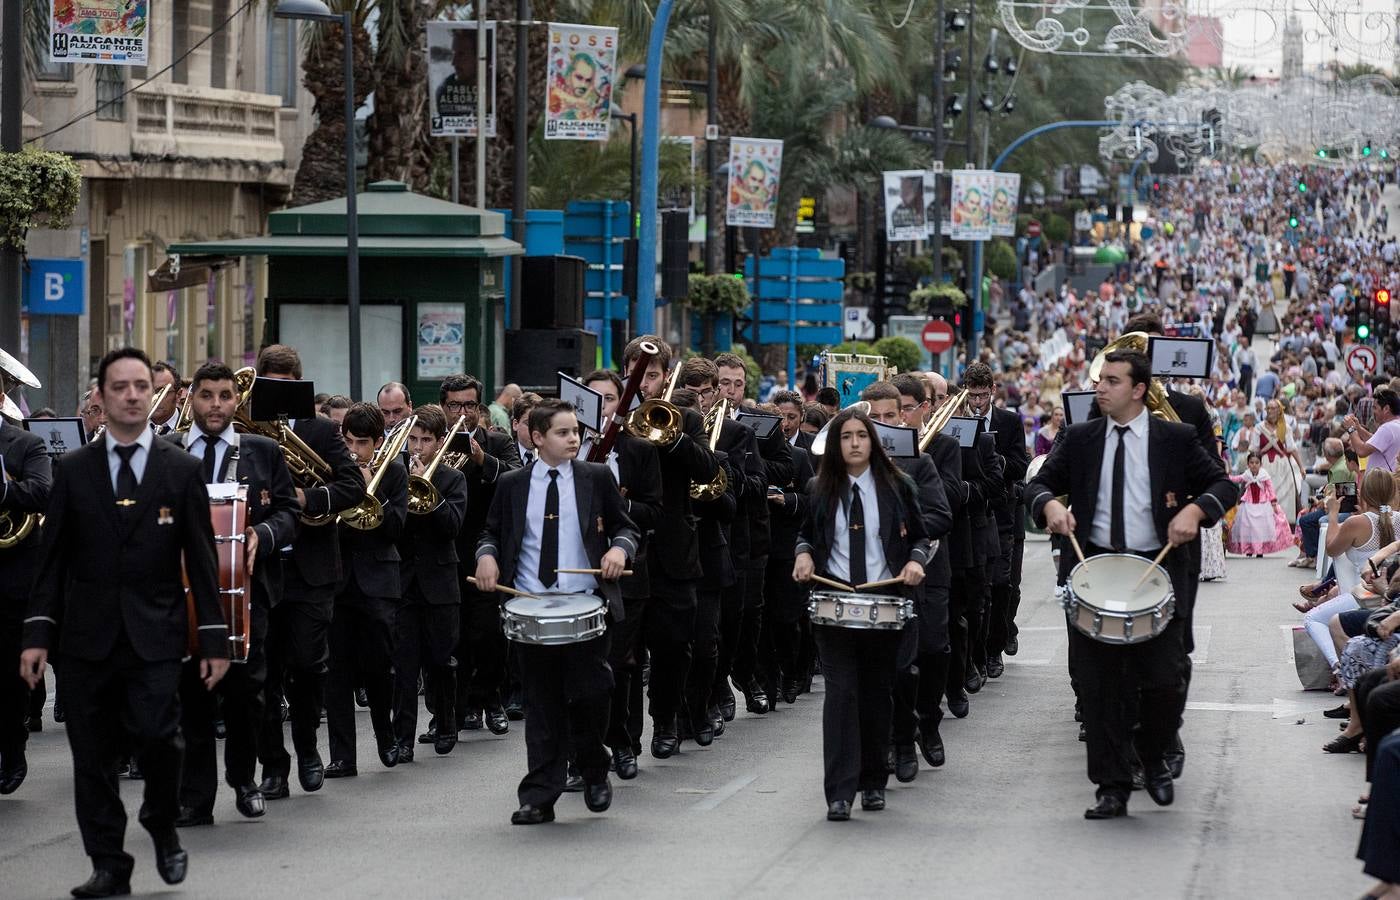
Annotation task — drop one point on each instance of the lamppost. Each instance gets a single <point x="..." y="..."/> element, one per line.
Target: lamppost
<point x="318" y="11"/>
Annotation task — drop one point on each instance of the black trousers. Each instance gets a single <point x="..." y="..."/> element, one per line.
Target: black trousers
<point x="965" y="603"/>
<point x="14" y="695"/>
<point x="241" y="691"/>
<point x="858" y="710"/>
<point x="567" y="698"/>
<point x="731" y="622"/>
<point x="922" y="666"/>
<point x="298" y="650"/>
<point x="784" y="604"/>
<point x="1378" y="705"/>
<point x="1005" y="592"/>
<point x="481" y="654"/>
<point x="704" y="659"/>
<point x="362" y="653"/>
<point x="745" y="667"/>
<point x="1381" y="833"/>
<point x="113" y="704"/>
<point x="427" y="635"/>
<point x="660" y="628"/>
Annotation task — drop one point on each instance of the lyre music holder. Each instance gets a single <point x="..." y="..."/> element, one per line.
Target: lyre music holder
<point x="275" y="400"/>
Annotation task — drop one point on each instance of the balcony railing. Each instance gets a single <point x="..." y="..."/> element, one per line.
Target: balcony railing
<point x="181" y="121"/>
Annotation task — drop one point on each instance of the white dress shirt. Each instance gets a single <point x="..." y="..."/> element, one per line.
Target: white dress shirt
<point x="572" y="554"/>
<point x="1139" y="529"/>
<point x="138" y="459"/>
<point x="194" y="442"/>
<point x="839" y="563"/>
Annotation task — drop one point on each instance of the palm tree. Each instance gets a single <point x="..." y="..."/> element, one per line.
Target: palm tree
<point x="321" y="175"/>
<point x="399" y="145"/>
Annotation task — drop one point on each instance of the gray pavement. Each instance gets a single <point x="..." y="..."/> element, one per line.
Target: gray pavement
<point x="1260" y="811"/>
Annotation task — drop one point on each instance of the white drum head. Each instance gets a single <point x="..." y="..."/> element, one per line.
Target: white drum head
<point x="1106" y="582"/>
<point x="551" y="605"/>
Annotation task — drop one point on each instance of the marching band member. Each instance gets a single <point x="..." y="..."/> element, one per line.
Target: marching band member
<point x="166" y="415"/>
<point x="25" y="479"/>
<point x="863" y="525"/>
<point x="298" y="638"/>
<point x="107" y="596"/>
<point x="362" y="629"/>
<point x="789" y="405"/>
<point x="561" y="512"/>
<point x="247" y="459"/>
<point x="429" y="617"/>
<point x="784" y="601"/>
<point x="520" y="425"/>
<point x="1134" y="487"/>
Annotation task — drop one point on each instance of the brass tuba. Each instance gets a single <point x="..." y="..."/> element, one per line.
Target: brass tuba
<point x="658" y="421"/>
<point x="308" y="469"/>
<point x="714" y="424"/>
<point x="368" y="514"/>
<point x="15" y="528"/>
<point x="423" y="498"/>
<point x="1156" y="398"/>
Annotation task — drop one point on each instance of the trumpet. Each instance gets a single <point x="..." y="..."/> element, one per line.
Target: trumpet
<point x="368" y="514"/>
<point x="159" y="397"/>
<point x="714" y="423"/>
<point x="940" y="418"/>
<point x="423" y="498"/>
<point x="658" y="421"/>
<point x="308" y="469"/>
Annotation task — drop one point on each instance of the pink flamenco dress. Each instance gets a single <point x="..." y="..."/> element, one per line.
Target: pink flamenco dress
<point x="1260" y="525"/>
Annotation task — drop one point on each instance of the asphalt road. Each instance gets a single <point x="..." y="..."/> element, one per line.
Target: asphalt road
<point x="1260" y="811"/>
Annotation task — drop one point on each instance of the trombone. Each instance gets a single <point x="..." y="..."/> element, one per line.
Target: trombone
<point x="657" y="420"/>
<point x="940" y="419"/>
<point x="306" y="466"/>
<point x="714" y="423"/>
<point x="423" y="498"/>
<point x="368" y="514"/>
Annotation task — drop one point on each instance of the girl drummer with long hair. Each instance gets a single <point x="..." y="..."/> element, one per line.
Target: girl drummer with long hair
<point x="863" y="527"/>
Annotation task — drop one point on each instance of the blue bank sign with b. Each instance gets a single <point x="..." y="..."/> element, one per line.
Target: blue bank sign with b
<point x="54" y="287"/>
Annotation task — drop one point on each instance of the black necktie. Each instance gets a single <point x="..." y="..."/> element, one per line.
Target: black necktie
<point x="1116" y="536"/>
<point x="549" y="544"/>
<point x="856" y="524"/>
<point x="530" y="457"/>
<point x="126" y="475"/>
<point x="211" y="444"/>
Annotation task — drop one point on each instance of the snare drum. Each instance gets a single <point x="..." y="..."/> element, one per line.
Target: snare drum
<point x="1102" y="604"/>
<point x="552" y="619"/>
<point x="229" y="511"/>
<point x="848" y="610"/>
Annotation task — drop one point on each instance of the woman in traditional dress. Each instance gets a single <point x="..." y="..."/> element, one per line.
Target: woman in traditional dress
<point x="1259" y="526"/>
<point x="1273" y="440"/>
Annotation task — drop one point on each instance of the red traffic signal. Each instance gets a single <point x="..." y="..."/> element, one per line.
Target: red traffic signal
<point x="1382" y="297"/>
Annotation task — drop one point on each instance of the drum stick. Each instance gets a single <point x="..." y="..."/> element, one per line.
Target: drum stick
<point x="1147" y="570"/>
<point x="598" y="572"/>
<point x="836" y="584"/>
<point x="877" y="584"/>
<point x="504" y="590"/>
<point x="1074" y="541"/>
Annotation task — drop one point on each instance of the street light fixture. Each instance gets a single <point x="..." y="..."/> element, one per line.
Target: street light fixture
<point x="318" y="11"/>
<point x="951" y="63"/>
<point x="955" y="105"/>
<point x="957" y="21"/>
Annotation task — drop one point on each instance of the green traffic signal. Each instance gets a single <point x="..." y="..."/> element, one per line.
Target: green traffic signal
<point x="1302" y="187"/>
<point x="1366" y="150"/>
<point x="1292" y="221"/>
<point x="1363" y="331"/>
<point x="1321" y="152"/>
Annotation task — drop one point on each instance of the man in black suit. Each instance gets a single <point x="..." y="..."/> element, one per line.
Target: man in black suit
<point x="26" y="473"/>
<point x="634" y="465"/>
<point x="366" y="607"/>
<point x="123" y="513"/>
<point x="430" y="617"/>
<point x="481" y="646"/>
<point x="1133" y="488"/>
<point x="784" y="601"/>
<point x="560" y="513"/>
<point x="230" y="458"/>
<point x="298" y="639"/>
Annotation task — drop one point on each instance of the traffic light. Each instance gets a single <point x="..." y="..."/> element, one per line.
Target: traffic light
<point x="1363" y="331"/>
<point x="1321" y="152"/>
<point x="1382" y="298"/>
<point x="806" y="214"/>
<point x="1366" y="150"/>
<point x="1302" y="186"/>
<point x="1292" y="221"/>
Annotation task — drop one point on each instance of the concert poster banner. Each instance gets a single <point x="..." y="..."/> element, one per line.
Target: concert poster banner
<point x="105" y="32"/>
<point x="755" y="165"/>
<point x="908" y="194"/>
<point x="580" y="72"/>
<point x="452" y="51"/>
<point x="972" y="205"/>
<point x="1006" y="187"/>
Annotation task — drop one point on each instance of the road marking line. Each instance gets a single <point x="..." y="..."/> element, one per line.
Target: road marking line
<point x="1201" y="654"/>
<point x="724" y="793"/>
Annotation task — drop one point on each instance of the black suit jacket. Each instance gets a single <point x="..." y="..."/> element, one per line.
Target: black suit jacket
<point x="1191" y="410"/>
<point x="1011" y="447"/>
<point x="100" y="565"/>
<point x="775" y="454"/>
<point x="428" y="545"/>
<point x="947" y="458"/>
<point x="501" y="456"/>
<point x="804" y="441"/>
<point x="639" y="477"/>
<point x="902" y="534"/>
<point x="786" y="520"/>
<point x="30" y="475"/>
<point x="982" y="469"/>
<point x="372" y="557"/>
<point x="687" y="460"/>
<point x="316" y="551"/>
<point x="749" y="479"/>
<point x="601" y="515"/>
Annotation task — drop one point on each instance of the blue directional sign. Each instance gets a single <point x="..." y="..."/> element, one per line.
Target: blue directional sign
<point x="55" y="287"/>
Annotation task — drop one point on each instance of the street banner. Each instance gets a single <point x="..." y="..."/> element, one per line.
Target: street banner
<point x="106" y="32"/>
<point x="580" y="74"/>
<point x="1006" y="187"/>
<point x="972" y="205"/>
<point x="452" y="51"/>
<point x="754" y="167"/>
<point x="908" y="194"/>
<point x="681" y="196"/>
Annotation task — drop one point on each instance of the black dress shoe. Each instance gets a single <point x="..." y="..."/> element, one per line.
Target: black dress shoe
<point x="755" y="700"/>
<point x="443" y="744"/>
<point x="598" y="797"/>
<point x="1159" y="784"/>
<point x="312" y="774"/>
<point x="361" y="698"/>
<point x="274" y="787"/>
<point x="704" y="733"/>
<point x="906" y="763"/>
<point x="388" y="751"/>
<point x="189" y="818"/>
<point x="975" y="681"/>
<point x="1012" y="645"/>
<point x="727" y="704"/>
<point x="429" y="736"/>
<point x="1175" y="757"/>
<point x="13" y="773"/>
<point x="791" y="688"/>
<point x="249" y="801"/>
<point x="931" y="745"/>
<point x="872" y="800"/>
<point x="624" y="763"/>
<point x="104" y="884"/>
<point x="515" y="711"/>
<point x="1108" y="807"/>
<point x="664" y="745"/>
<point x="995" y="667"/>
<point x="959" y="707"/>
<point x="532" y="815"/>
<point x="405" y="753"/>
<point x="341" y="769"/>
<point x="573" y="781"/>
<point x="496" y="721"/>
<point x="472" y="721"/>
<point x="838" y="811"/>
<point x="171" y="860"/>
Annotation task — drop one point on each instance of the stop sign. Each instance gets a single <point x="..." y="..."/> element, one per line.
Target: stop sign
<point x="937" y="336"/>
